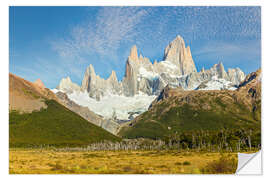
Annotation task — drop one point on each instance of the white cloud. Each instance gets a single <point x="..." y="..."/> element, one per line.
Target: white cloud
<point x="113" y="26"/>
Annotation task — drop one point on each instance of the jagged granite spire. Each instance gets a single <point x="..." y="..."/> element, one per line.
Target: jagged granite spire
<point x="180" y="55"/>
<point x="133" y="53"/>
<point x="236" y="76"/>
<point x="89" y="75"/>
<point x="113" y="76"/>
<point x="67" y="85"/>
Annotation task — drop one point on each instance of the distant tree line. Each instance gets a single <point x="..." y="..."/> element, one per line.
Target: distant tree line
<point x="201" y="140"/>
<point x="216" y="141"/>
<point x="209" y="141"/>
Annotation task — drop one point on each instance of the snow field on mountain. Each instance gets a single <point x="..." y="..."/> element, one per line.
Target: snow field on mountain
<point x="122" y="105"/>
<point x="147" y="74"/>
<point x="218" y="84"/>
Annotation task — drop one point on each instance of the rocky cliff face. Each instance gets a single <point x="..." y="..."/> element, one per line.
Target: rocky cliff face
<point x="178" y="54"/>
<point x="39" y="83"/>
<point x="216" y="77"/>
<point x="97" y="86"/>
<point x="250" y="88"/>
<point x="236" y="75"/>
<point x="67" y="85"/>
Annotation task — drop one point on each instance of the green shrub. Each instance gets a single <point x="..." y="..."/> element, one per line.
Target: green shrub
<point x="186" y="163"/>
<point x="178" y="163"/>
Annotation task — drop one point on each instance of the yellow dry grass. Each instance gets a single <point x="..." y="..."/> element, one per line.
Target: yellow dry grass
<point x="40" y="161"/>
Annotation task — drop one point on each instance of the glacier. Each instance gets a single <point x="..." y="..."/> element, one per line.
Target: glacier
<point x="122" y="106"/>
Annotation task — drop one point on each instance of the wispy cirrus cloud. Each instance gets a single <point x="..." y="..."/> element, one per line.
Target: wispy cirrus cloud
<point x="112" y="26"/>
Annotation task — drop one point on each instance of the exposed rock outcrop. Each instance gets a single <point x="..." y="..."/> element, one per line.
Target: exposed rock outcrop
<point x="250" y="88"/>
<point x="180" y="55"/>
<point x="97" y="86"/>
<point x="236" y="75"/>
<point x="39" y="83"/>
<point x="67" y="85"/>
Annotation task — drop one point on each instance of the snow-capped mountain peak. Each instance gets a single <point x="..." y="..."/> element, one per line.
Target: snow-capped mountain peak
<point x="144" y="80"/>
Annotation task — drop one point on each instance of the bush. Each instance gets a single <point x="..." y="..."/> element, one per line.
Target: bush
<point x="186" y="163"/>
<point x="56" y="167"/>
<point x="224" y="165"/>
<point x="127" y="169"/>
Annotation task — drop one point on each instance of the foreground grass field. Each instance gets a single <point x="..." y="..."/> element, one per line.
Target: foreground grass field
<point x="38" y="161"/>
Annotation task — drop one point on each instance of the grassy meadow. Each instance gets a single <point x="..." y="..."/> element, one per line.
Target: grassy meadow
<point x="60" y="161"/>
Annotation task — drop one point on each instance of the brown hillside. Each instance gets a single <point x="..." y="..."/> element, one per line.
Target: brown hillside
<point x="25" y="96"/>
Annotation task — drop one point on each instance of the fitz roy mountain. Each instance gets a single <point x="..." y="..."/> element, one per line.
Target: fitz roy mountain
<point x="144" y="81"/>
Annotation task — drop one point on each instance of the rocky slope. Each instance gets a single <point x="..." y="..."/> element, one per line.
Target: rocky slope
<point x="39" y="83"/>
<point x="25" y="96"/>
<point x="250" y="89"/>
<point x="84" y="112"/>
<point x="176" y="110"/>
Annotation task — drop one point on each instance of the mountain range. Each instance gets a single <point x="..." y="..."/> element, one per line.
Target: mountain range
<point x="141" y="76"/>
<point x="143" y="82"/>
<point x="153" y="100"/>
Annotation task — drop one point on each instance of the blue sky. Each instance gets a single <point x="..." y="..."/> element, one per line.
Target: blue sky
<point x="54" y="42"/>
